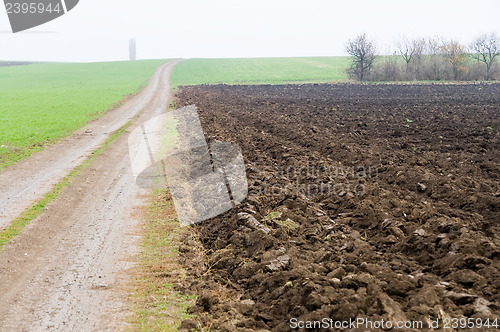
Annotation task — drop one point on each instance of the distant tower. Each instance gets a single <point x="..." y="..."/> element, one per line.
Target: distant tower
<point x="132" y="49"/>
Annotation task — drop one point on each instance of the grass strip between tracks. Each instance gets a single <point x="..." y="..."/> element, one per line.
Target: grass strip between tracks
<point x="36" y="210"/>
<point x="158" y="305"/>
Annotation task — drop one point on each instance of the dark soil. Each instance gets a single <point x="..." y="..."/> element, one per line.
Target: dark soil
<point x="380" y="201"/>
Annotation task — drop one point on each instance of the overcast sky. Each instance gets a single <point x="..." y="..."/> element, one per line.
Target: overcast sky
<point x="99" y="30"/>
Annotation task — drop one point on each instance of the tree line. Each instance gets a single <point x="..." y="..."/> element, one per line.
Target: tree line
<point x="420" y="59"/>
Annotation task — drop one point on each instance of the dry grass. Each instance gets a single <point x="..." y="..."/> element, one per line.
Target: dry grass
<point x="158" y="306"/>
<point x="172" y="258"/>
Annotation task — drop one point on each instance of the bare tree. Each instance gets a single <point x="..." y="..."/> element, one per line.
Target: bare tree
<point x="433" y="66"/>
<point x="411" y="50"/>
<point x="132" y="49"/>
<point x="456" y="55"/>
<point x="485" y="49"/>
<point x="388" y="69"/>
<point x="363" y="52"/>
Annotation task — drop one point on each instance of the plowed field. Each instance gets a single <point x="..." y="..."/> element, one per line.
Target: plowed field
<point x="375" y="201"/>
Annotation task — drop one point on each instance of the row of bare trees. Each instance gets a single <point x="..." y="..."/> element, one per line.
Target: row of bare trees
<point x="426" y="59"/>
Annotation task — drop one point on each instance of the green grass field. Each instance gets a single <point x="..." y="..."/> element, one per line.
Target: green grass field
<point x="260" y="70"/>
<point x="41" y="103"/>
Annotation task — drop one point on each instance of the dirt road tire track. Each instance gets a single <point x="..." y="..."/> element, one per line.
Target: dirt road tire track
<point x="66" y="271"/>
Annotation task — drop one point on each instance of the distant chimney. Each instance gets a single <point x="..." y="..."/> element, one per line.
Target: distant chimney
<point x="132" y="49"/>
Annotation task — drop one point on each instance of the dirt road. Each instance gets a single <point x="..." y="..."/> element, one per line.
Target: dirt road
<point x="66" y="271"/>
<point x="28" y="180"/>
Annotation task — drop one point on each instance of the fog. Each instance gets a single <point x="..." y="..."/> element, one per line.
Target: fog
<point x="99" y="30"/>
